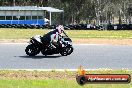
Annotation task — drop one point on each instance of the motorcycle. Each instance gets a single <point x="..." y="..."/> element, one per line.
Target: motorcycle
<point x="36" y="46"/>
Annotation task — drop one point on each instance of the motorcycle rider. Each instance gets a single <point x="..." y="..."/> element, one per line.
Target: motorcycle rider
<point x="53" y="36"/>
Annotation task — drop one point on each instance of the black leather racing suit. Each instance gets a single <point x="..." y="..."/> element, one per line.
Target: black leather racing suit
<point x="46" y="39"/>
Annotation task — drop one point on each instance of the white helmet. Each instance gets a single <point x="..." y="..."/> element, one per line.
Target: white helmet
<point x="60" y="29"/>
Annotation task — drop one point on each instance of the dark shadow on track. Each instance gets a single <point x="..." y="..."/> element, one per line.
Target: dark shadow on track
<point x="39" y="57"/>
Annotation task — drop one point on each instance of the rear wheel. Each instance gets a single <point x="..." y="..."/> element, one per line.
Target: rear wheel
<point x="31" y="50"/>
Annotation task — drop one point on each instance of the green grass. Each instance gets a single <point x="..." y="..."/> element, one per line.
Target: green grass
<point x="53" y="83"/>
<point x="20" y="33"/>
<point x="27" y="33"/>
<point x="10" y="80"/>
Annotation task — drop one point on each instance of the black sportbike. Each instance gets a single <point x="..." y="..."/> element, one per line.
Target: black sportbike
<point x="36" y="46"/>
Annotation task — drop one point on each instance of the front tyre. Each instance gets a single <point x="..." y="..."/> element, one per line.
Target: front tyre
<point x="66" y="51"/>
<point x="69" y="50"/>
<point x="31" y="50"/>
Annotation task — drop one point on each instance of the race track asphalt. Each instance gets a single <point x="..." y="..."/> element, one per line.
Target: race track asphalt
<point x="12" y="56"/>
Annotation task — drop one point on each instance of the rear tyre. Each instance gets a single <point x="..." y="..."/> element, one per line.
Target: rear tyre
<point x="31" y="50"/>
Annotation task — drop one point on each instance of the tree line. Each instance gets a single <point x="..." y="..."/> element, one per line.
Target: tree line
<point x="83" y="11"/>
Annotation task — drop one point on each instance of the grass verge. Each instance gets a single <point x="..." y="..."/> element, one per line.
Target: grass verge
<point x="53" y="79"/>
<point x="6" y="33"/>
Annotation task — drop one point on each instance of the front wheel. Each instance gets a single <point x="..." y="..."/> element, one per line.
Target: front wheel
<point x="69" y="50"/>
<point x="66" y="51"/>
<point x="31" y="50"/>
